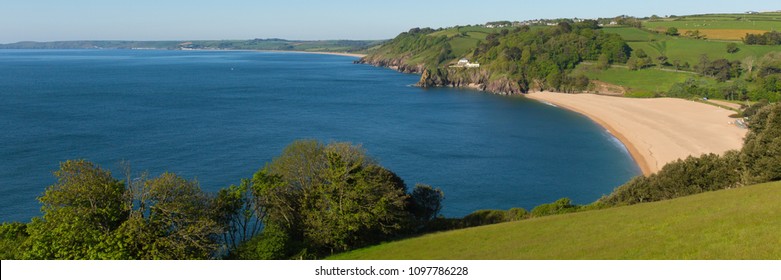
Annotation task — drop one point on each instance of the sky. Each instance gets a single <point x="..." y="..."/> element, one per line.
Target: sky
<point x="59" y="20"/>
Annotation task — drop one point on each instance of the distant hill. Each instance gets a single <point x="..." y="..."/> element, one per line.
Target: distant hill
<point x="702" y="56"/>
<point x="740" y="223"/>
<point x="255" y="44"/>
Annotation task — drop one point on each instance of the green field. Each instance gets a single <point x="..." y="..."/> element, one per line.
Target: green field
<point x="631" y="34"/>
<point x="741" y="223"/>
<point x="720" y="26"/>
<point x="689" y="50"/>
<point x="639" y="83"/>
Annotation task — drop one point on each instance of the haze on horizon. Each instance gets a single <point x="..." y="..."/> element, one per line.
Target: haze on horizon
<point x="50" y="20"/>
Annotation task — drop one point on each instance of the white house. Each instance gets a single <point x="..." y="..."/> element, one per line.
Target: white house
<point x="464" y="63"/>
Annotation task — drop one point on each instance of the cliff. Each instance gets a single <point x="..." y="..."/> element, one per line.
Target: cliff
<point x="473" y="78"/>
<point x="396" y="63"/>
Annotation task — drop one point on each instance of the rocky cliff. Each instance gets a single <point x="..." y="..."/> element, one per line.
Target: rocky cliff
<point x="473" y="78"/>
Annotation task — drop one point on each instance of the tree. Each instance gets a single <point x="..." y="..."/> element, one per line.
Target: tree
<point x="640" y="53"/>
<point x="672" y="31"/>
<point x="694" y="34"/>
<point x="238" y="210"/>
<point x="12" y="237"/>
<point x="732" y="48"/>
<point x="603" y="62"/>
<point x="332" y="198"/>
<point x="662" y="60"/>
<point x="426" y="202"/>
<point x="79" y="212"/>
<point x="175" y="220"/>
<point x="88" y="214"/>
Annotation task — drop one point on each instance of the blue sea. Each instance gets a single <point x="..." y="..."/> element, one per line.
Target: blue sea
<point x="219" y="116"/>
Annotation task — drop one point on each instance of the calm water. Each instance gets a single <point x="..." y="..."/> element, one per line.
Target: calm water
<point x="219" y="116"/>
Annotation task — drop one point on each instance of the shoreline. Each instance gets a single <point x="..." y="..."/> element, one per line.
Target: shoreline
<point x="639" y="158"/>
<point x="655" y="131"/>
<point x="356" y="55"/>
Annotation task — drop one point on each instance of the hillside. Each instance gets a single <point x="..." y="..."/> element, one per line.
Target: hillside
<point x="738" y="223"/>
<point x="707" y="53"/>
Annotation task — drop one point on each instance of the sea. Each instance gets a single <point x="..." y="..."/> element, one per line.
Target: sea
<point x="220" y="116"/>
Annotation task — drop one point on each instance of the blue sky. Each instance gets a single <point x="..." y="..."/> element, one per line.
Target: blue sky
<point x="52" y="20"/>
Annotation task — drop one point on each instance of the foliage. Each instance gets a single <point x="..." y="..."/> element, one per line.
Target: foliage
<point x="238" y="210"/>
<point x="680" y="178"/>
<point x="487" y="217"/>
<point x="80" y="211"/>
<point x="12" y="237"/>
<point x="672" y="31"/>
<point x="273" y="243"/>
<point x="332" y="198"/>
<point x="561" y="206"/>
<point x="732" y="48"/>
<point x="768" y="38"/>
<point x="761" y="154"/>
<point x="425" y="203"/>
<point x="88" y="214"/>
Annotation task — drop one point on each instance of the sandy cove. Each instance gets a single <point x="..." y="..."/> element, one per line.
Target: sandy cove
<point x="658" y="130"/>
<point x="356" y="55"/>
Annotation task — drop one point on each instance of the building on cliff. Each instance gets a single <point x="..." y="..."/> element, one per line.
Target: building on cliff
<point x="464" y="63"/>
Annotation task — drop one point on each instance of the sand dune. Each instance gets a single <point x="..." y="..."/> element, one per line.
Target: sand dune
<point x="659" y="130"/>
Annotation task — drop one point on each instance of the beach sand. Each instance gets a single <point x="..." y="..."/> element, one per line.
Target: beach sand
<point x="357" y="55"/>
<point x="658" y="130"/>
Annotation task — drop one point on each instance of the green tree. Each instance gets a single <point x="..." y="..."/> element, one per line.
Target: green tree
<point x="603" y="62"/>
<point x="426" y="202"/>
<point x="762" y="149"/>
<point x="672" y="31"/>
<point x="238" y="210"/>
<point x="561" y="206"/>
<point x="12" y="237"/>
<point x="80" y="211"/>
<point x="732" y="48"/>
<point x="331" y="198"/>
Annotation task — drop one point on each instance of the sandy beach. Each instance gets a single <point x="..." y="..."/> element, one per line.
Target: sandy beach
<point x="659" y="130"/>
<point x="358" y="55"/>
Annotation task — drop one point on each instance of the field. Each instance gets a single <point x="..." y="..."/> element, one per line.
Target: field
<point x="738" y="223"/>
<point x="690" y="50"/>
<point x="720" y="27"/>
<point x="640" y="83"/>
<point x="631" y="34"/>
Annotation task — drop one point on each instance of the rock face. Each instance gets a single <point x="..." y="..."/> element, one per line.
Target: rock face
<point x="469" y="78"/>
<point x="398" y="64"/>
<point x="474" y="78"/>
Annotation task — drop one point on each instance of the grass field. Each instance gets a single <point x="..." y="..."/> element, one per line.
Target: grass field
<point x="640" y="83"/>
<point x="741" y="223"/>
<point x="720" y="27"/>
<point x="631" y="34"/>
<point x="689" y="50"/>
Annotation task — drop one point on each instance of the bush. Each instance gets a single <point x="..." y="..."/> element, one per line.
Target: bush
<point x="273" y="244"/>
<point x="561" y="206"/>
<point x="12" y="237"/>
<point x="484" y="217"/>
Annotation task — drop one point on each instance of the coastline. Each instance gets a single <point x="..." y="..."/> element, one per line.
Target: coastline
<point x="356" y="55"/>
<point x="655" y="131"/>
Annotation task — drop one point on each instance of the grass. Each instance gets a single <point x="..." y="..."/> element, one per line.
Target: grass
<point x="631" y="34"/>
<point x="741" y="223"/>
<point x="640" y="83"/>
<point x="689" y="50"/>
<point x="720" y="27"/>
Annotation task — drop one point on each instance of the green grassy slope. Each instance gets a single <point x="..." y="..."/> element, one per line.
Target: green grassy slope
<point x="741" y="223"/>
<point x="721" y="26"/>
<point x="644" y="82"/>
